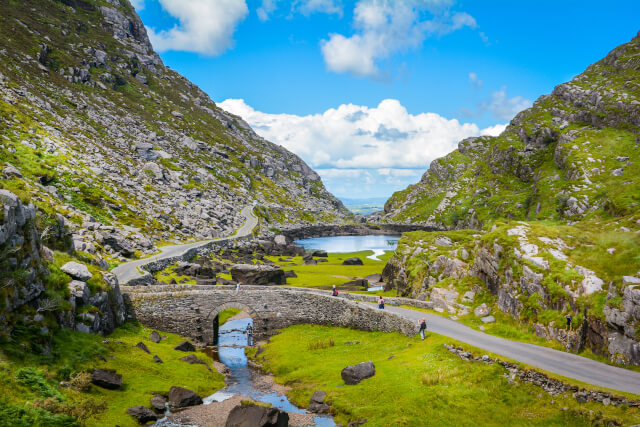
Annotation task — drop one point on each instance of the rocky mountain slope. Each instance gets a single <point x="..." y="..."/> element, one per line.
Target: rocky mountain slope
<point x="93" y="126"/>
<point x="544" y="219"/>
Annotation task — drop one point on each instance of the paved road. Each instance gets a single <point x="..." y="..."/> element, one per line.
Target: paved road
<point x="129" y="270"/>
<point x="558" y="362"/>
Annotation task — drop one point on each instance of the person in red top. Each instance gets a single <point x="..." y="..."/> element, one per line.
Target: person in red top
<point x="381" y="303"/>
<point x="334" y="292"/>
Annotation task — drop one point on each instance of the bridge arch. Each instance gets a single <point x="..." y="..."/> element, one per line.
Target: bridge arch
<point x="213" y="316"/>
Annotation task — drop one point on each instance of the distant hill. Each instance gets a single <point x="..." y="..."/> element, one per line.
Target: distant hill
<point x="364" y="206"/>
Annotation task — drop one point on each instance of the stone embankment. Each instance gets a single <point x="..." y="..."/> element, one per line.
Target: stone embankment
<point x="192" y="310"/>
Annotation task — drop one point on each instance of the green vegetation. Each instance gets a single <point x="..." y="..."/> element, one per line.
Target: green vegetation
<point x="30" y="381"/>
<point x="428" y="385"/>
<point x="332" y="272"/>
<point x="169" y="274"/>
<point x="226" y="315"/>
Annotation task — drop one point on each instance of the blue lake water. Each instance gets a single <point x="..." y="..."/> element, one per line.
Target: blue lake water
<point x="376" y="243"/>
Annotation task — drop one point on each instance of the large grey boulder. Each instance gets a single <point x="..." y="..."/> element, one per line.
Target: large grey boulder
<point x="352" y="261"/>
<point x="482" y="310"/>
<point x="182" y="397"/>
<point x="143" y="414"/>
<point x="77" y="271"/>
<point x="106" y="379"/>
<point x="260" y="275"/>
<point x="352" y="375"/>
<point x="316" y="404"/>
<point x="248" y="415"/>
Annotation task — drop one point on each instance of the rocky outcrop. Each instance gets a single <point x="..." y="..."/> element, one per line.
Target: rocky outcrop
<point x="261" y="275"/>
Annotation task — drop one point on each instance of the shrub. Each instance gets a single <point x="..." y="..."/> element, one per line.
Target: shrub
<point x="33" y="379"/>
<point x="320" y="345"/>
<point x="81" y="381"/>
<point x="17" y="416"/>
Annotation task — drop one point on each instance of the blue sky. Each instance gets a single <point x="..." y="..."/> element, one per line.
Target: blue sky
<point x="369" y="92"/>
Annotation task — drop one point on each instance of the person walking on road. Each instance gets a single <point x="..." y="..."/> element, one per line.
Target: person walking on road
<point x="238" y="286"/>
<point x="423" y="327"/>
<point x="334" y="292"/>
<point x="569" y="322"/>
<point x="381" y="303"/>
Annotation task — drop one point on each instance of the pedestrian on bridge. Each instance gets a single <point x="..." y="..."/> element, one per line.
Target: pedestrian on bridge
<point x="238" y="286"/>
<point x="381" y="303"/>
<point x="334" y="292"/>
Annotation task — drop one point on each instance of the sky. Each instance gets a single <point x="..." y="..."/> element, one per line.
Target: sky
<point x="369" y="92"/>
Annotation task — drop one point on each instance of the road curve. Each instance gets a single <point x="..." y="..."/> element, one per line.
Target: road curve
<point x="559" y="362"/>
<point x="130" y="270"/>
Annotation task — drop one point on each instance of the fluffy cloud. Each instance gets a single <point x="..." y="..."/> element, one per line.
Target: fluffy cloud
<point x="358" y="137"/>
<point x="384" y="27"/>
<point x="504" y="108"/>
<point x="205" y="26"/>
<point x="304" y="7"/>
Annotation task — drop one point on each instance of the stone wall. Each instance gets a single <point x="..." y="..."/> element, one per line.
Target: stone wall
<point x="191" y="310"/>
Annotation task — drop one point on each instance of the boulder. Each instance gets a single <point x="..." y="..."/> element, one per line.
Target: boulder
<point x="185" y="346"/>
<point x="248" y="415"/>
<point x="260" y="275"/>
<point x="488" y="319"/>
<point x="290" y="274"/>
<point x="280" y="240"/>
<point x="106" y="379"/>
<point x="142" y="346"/>
<point x="320" y="254"/>
<point x="157" y="359"/>
<point x="192" y="359"/>
<point x="158" y="403"/>
<point x="354" y="374"/>
<point x="155" y="337"/>
<point x="482" y="310"/>
<point x="142" y="414"/>
<point x="352" y="261"/>
<point x="182" y="397"/>
<point x="316" y="404"/>
<point x="311" y="262"/>
<point x="80" y="291"/>
<point x="443" y="241"/>
<point x="77" y="271"/>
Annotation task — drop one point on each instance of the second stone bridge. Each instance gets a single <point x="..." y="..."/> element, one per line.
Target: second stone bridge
<point x="193" y="311"/>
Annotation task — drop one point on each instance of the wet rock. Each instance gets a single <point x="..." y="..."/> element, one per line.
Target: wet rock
<point x="106" y="379"/>
<point x="185" y="346"/>
<point x="317" y="404"/>
<point x="256" y="416"/>
<point x="182" y="397"/>
<point x="158" y="403"/>
<point x="352" y="375"/>
<point x="352" y="261"/>
<point x="142" y="414"/>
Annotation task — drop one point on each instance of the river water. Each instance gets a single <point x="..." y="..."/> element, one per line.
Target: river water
<point x="376" y="243"/>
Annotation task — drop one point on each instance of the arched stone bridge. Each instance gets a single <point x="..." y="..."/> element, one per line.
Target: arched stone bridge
<point x="192" y="310"/>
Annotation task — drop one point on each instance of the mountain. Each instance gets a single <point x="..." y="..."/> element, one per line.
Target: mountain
<point x="97" y="130"/>
<point x="540" y="222"/>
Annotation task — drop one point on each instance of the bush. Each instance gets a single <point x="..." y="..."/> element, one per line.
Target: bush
<point x="81" y="410"/>
<point x="33" y="379"/>
<point x="319" y="345"/>
<point x="17" y="416"/>
<point x="81" y="381"/>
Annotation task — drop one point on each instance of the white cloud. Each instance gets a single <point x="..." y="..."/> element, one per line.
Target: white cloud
<point x="304" y="7"/>
<point x="385" y="27"/>
<point x="205" y="26"/>
<point x="137" y="4"/>
<point x="503" y="107"/>
<point x="359" y="137"/>
<point x="475" y="81"/>
<point x="268" y="7"/>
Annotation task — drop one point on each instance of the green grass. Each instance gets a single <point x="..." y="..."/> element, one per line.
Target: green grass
<point x="29" y="380"/>
<point x="226" y="315"/>
<point x="416" y="383"/>
<point x="169" y="274"/>
<point x="326" y="274"/>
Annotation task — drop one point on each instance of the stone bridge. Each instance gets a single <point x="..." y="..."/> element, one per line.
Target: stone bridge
<point x="192" y="310"/>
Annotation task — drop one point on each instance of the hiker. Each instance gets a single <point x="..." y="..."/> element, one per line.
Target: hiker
<point x="423" y="327"/>
<point x="238" y="286"/>
<point x="569" y="322"/>
<point x="249" y="332"/>
<point x="334" y="292"/>
<point x="381" y="303"/>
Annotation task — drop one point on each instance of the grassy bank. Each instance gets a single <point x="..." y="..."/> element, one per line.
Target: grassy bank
<point x="416" y="383"/>
<point x="30" y="382"/>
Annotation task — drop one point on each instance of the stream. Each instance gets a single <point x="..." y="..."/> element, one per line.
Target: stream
<point x="231" y="344"/>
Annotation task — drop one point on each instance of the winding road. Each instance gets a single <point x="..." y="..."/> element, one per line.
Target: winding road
<point x="131" y="270"/>
<point x="559" y="362"/>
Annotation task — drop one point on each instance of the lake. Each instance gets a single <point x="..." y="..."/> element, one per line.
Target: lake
<point x="376" y="243"/>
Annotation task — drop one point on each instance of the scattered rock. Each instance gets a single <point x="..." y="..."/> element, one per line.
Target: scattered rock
<point x="142" y="346"/>
<point x="158" y="403"/>
<point x="352" y="261"/>
<point x="192" y="359"/>
<point x="320" y="254"/>
<point x="256" y="416"/>
<point x="443" y="241"/>
<point x="106" y="379"/>
<point x="155" y="337"/>
<point x="482" y="310"/>
<point x="290" y="274"/>
<point x="157" y="359"/>
<point x="185" y="346"/>
<point x="488" y="319"/>
<point x="77" y="271"/>
<point x="182" y="397"/>
<point x="142" y="414"/>
<point x="354" y="374"/>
